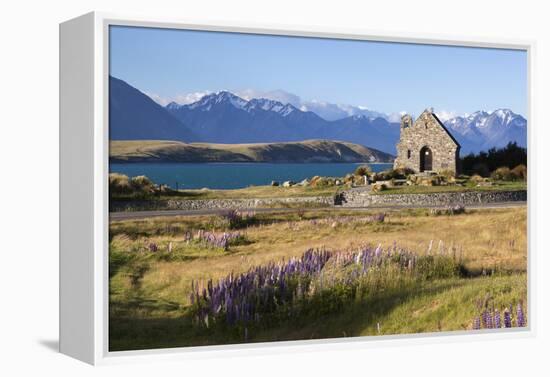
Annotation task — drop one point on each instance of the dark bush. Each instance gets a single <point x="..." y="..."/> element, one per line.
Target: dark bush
<point x="399" y="173"/>
<point x="239" y="220"/>
<point x="485" y="162"/>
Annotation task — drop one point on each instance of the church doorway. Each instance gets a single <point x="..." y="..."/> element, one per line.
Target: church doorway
<point x="426" y="157"/>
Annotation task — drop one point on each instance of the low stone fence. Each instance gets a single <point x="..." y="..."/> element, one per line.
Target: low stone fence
<point x="209" y="204"/>
<point x="363" y="198"/>
<point x="351" y="198"/>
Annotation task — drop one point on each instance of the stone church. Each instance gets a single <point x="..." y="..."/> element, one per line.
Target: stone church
<point x="426" y="145"/>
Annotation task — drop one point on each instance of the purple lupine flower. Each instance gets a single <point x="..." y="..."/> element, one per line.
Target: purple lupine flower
<point x="507" y="319"/>
<point x="246" y="297"/>
<point x="153" y="247"/>
<point x="497" y="320"/>
<point x="218" y="240"/>
<point x="484" y="323"/>
<point x="520" y="316"/>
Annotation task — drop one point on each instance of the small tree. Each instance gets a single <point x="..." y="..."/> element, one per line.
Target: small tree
<point x="363" y="170"/>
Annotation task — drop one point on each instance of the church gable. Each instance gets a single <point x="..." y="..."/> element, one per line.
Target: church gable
<point x="426" y="145"/>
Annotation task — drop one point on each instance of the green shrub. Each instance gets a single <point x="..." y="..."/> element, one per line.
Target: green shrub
<point x="503" y="174"/>
<point x="363" y="170"/>
<point x="119" y="184"/>
<point x="476" y="178"/>
<point x="448" y="174"/>
<point x="437" y="267"/>
<point x="142" y="184"/>
<point x="377" y="187"/>
<point x="520" y="172"/>
<point x="322" y="182"/>
<point x="399" y="173"/>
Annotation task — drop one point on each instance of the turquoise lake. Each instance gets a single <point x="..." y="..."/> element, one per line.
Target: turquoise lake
<point x="234" y="175"/>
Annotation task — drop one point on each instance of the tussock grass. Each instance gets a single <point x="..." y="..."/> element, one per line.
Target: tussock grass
<point x="153" y="312"/>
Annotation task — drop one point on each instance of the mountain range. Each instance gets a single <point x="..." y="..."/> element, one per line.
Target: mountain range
<point x="224" y="117"/>
<point x="482" y="130"/>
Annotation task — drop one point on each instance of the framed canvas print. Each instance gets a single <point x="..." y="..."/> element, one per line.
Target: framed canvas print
<point x="229" y="187"/>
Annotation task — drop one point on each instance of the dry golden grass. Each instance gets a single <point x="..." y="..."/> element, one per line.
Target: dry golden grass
<point x="486" y="238"/>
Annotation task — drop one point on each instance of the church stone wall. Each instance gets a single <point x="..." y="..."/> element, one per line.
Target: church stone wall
<point x="426" y="131"/>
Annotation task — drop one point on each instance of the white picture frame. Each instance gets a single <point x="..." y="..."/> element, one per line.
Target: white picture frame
<point x="84" y="49"/>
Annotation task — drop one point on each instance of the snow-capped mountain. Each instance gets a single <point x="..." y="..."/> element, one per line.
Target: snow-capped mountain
<point x="267" y="120"/>
<point x="209" y="101"/>
<point x="483" y="130"/>
<point x="269" y="105"/>
<point x="226" y="118"/>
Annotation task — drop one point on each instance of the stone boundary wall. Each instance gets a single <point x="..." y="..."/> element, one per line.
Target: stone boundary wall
<point x="209" y="204"/>
<point x="350" y="198"/>
<point x="362" y="198"/>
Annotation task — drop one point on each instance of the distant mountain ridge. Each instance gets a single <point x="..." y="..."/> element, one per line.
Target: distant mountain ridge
<point x="482" y="130"/>
<point x="135" y="116"/>
<point x="298" y="152"/>
<point x="264" y="120"/>
<point x="224" y="117"/>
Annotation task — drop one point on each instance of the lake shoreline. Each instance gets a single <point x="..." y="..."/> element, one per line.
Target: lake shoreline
<point x="235" y="175"/>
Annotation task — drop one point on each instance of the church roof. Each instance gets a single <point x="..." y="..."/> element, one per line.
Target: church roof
<point x="445" y="128"/>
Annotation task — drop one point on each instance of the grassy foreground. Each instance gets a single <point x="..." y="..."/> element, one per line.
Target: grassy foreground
<point x="149" y="291"/>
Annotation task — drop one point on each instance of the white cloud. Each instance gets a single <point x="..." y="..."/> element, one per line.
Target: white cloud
<point x="328" y="111"/>
<point x="182" y="99"/>
<point x="275" y="95"/>
<point x="445" y="115"/>
<point x="396" y="117"/>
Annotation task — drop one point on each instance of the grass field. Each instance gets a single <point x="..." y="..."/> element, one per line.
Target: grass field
<point x="150" y="303"/>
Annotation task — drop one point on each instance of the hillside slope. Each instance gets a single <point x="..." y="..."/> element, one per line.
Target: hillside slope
<point x="135" y="116"/>
<point x="300" y="152"/>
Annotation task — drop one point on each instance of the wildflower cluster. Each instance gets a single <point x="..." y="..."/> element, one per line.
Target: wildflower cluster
<point x="494" y="319"/>
<point x="238" y="219"/>
<point x="280" y="288"/>
<point x="245" y="297"/>
<point x="221" y="240"/>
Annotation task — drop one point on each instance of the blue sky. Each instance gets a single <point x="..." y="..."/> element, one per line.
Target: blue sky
<point x="386" y="77"/>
